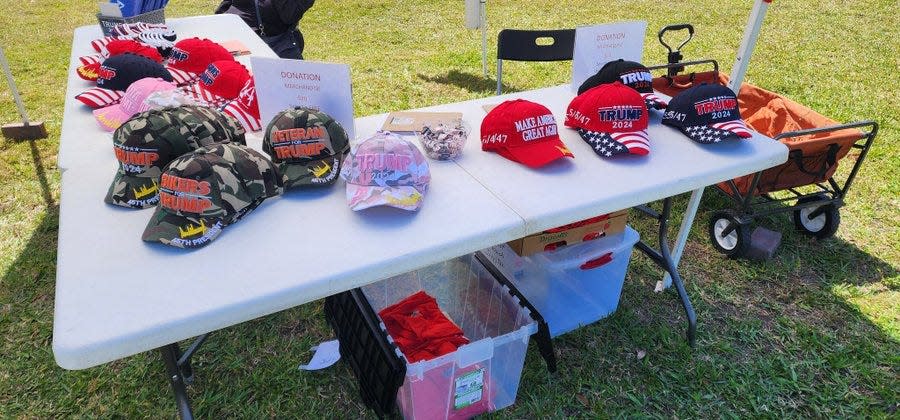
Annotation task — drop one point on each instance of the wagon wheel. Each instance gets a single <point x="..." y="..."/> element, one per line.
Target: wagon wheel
<point x="728" y="235"/>
<point x="818" y="221"/>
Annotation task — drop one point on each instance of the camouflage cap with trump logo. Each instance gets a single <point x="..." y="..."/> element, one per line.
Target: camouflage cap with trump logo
<point x="149" y="140"/>
<point x="308" y="147"/>
<point x="208" y="189"/>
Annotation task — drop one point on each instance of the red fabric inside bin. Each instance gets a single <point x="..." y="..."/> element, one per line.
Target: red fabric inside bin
<point x="420" y="328"/>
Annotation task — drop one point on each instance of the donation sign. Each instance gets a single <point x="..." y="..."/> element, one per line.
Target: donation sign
<point x="282" y="84"/>
<point x="599" y="44"/>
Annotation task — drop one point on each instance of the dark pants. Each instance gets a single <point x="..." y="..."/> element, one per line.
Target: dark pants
<point x="287" y="45"/>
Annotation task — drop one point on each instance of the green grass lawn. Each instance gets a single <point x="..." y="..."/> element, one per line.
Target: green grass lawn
<point x="813" y="333"/>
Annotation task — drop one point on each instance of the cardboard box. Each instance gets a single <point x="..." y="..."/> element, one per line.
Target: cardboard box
<point x="573" y="233"/>
<point x="413" y="121"/>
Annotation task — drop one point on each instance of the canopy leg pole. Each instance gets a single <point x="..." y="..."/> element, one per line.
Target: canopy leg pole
<point x="751" y="33"/>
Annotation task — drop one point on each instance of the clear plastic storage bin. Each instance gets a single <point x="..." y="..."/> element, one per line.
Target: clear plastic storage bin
<point x="572" y="286"/>
<point x="479" y="377"/>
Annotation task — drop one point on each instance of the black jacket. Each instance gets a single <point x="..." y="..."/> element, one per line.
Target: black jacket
<point x="278" y="16"/>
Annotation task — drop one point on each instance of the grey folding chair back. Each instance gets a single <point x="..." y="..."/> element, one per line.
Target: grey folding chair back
<point x="522" y="45"/>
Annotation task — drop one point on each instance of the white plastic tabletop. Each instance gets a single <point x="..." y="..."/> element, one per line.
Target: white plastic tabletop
<point x="572" y="189"/>
<point x="82" y="141"/>
<point x="117" y="295"/>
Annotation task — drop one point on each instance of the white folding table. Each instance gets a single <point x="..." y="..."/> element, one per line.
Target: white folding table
<point x="117" y="296"/>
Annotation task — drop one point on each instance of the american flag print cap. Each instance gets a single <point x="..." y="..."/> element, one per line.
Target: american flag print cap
<point x="707" y="114"/>
<point x="612" y="118"/>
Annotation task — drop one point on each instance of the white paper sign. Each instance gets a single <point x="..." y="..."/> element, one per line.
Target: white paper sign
<point x="599" y="44"/>
<point x="282" y="84"/>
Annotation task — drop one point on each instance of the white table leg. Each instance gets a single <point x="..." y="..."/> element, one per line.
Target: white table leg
<point x="683" y="232"/>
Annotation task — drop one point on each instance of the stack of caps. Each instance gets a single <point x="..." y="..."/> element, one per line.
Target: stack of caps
<point x="204" y="191"/>
<point x="116" y="74"/>
<point x="307" y="146"/>
<point x="143" y="95"/>
<point x="190" y="57"/>
<point x="631" y="74"/>
<point x="385" y="170"/>
<point x="707" y="114"/>
<point x="90" y="64"/>
<point x="147" y="142"/>
<point x="156" y="35"/>
<point x="523" y="131"/>
<point x="612" y="119"/>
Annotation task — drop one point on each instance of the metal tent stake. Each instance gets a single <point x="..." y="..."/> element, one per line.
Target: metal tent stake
<point x="26" y="130"/>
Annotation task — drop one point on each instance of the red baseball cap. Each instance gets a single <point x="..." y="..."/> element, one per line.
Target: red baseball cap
<point x="191" y="56"/>
<point x="523" y="131"/>
<point x="222" y="81"/>
<point x="612" y="119"/>
<point x="245" y="108"/>
<point x="90" y="64"/>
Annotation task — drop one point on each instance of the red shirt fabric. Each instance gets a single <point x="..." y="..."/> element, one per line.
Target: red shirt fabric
<point x="421" y="329"/>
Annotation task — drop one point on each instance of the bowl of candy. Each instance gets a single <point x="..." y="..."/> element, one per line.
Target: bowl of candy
<point x="445" y="140"/>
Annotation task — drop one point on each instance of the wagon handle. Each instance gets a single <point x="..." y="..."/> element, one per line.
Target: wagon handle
<point x="670" y="66"/>
<point x="675" y="55"/>
<point x="872" y="129"/>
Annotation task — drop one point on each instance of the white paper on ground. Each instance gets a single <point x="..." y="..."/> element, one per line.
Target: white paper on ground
<point x="326" y="354"/>
<point x="599" y="44"/>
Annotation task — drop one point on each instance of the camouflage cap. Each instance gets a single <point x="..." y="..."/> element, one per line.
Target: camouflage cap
<point x="149" y="140"/>
<point x="308" y="147"/>
<point x="208" y="189"/>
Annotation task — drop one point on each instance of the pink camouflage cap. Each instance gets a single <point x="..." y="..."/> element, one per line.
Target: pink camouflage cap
<point x="133" y="102"/>
<point x="385" y="170"/>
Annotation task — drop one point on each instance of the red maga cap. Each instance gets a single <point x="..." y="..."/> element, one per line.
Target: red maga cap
<point x="222" y="81"/>
<point x="612" y="119"/>
<point x="194" y="54"/>
<point x="523" y="131"/>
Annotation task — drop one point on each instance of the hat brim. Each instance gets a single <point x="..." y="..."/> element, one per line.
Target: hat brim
<point x="717" y="132"/>
<point x="537" y="154"/>
<point x="99" y="97"/>
<point x="315" y="173"/>
<point x="360" y="197"/>
<point x="111" y="117"/>
<point x="89" y="72"/>
<point x="653" y="101"/>
<point x="203" y="96"/>
<point x="182" y="77"/>
<point x="608" y="145"/>
<point x="133" y="191"/>
<point x="91" y="59"/>
<point x="243" y="115"/>
<point x="182" y="231"/>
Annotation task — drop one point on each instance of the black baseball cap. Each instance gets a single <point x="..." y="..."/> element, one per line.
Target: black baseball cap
<point x="632" y="74"/>
<point x="707" y="113"/>
<point x="116" y="74"/>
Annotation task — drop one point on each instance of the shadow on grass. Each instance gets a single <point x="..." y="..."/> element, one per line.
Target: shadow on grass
<point x="468" y="81"/>
<point x="831" y="260"/>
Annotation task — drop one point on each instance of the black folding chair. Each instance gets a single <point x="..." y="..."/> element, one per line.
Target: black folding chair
<point x="522" y="45"/>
